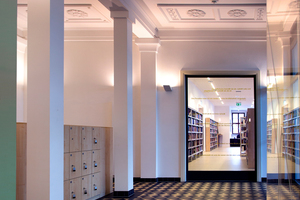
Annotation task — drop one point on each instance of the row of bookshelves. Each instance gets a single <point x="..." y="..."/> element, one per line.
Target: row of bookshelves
<point x="211" y="134"/>
<point x="195" y="114"/>
<point x="291" y="122"/>
<point x="193" y="136"/>
<point x="292" y="114"/>
<point x="290" y="136"/>
<point x="291" y="129"/>
<point x="291" y="144"/>
<point x="195" y="143"/>
<point x="195" y="122"/>
<point x="195" y="129"/>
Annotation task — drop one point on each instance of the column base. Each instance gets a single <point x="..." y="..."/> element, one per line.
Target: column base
<point x="123" y="194"/>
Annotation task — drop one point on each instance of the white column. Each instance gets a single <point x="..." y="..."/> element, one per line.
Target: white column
<point x="286" y="55"/>
<point x="149" y="144"/>
<point x="8" y="65"/>
<point x="122" y="114"/>
<point x="45" y="146"/>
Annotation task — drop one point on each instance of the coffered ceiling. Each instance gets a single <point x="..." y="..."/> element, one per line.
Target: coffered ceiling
<point x="153" y="17"/>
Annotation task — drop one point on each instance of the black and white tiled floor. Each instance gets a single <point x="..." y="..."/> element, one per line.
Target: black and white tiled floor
<point x="212" y="190"/>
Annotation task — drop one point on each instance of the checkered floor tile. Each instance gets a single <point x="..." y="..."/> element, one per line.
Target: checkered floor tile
<point x="212" y="191"/>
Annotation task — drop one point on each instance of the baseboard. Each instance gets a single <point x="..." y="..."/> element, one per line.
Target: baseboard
<point x="159" y="179"/>
<point x="123" y="194"/>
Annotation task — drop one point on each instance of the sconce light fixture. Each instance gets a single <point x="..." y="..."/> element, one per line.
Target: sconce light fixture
<point x="167" y="88"/>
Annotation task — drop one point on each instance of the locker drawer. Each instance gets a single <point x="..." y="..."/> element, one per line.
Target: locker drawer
<point x="96" y="184"/>
<point x="86" y="138"/>
<point x="96" y="161"/>
<point x="75" y="138"/>
<point x="75" y="189"/>
<point x="86" y="160"/>
<point x="86" y="187"/>
<point x="75" y="165"/>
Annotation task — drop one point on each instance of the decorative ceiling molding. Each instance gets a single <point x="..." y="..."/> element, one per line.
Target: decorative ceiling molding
<point x="173" y="14"/>
<point x="260" y="13"/>
<point x="196" y="13"/>
<point x="294" y="4"/>
<point x="77" y="13"/>
<point x="237" y="13"/>
<point x="192" y="13"/>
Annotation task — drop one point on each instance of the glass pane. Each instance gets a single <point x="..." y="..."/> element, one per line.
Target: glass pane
<point x="235" y="128"/>
<point x="235" y="118"/>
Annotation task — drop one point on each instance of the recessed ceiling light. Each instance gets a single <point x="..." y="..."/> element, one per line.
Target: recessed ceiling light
<point x="208" y="78"/>
<point x="212" y="85"/>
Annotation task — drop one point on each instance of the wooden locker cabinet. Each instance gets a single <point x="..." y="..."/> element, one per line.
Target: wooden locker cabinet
<point x="66" y="139"/>
<point x="66" y="166"/>
<point x="86" y="138"/>
<point x="96" y="184"/>
<point x="75" y="189"/>
<point x="96" y="161"/>
<point x="86" y="185"/>
<point x="75" y="165"/>
<point x="96" y="138"/>
<point x="86" y="160"/>
<point x="67" y="190"/>
<point x="90" y="154"/>
<point x="75" y="138"/>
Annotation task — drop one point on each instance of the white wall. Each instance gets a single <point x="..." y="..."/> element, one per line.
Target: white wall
<point x="88" y="83"/>
<point x="175" y="56"/>
<point x="89" y="86"/>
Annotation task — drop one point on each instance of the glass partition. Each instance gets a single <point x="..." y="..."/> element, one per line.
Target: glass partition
<point x="283" y="112"/>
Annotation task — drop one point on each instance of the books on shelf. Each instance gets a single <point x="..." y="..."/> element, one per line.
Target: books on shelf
<point x="290" y="136"/>
<point x="211" y="134"/>
<point x="194" y="134"/>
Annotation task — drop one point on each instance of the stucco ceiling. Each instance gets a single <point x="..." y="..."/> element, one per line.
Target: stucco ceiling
<point x="154" y="16"/>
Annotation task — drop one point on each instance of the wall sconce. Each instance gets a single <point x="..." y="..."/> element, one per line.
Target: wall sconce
<point x="167" y="88"/>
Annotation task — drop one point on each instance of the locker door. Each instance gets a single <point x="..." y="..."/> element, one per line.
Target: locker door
<point x="75" y="165"/>
<point x="75" y="138"/>
<point x="96" y="184"/>
<point x="66" y="166"/>
<point x="86" y="187"/>
<point x="66" y="139"/>
<point x="96" y="138"/>
<point x="86" y="138"/>
<point x="96" y="161"/>
<point x="75" y="189"/>
<point x="86" y="160"/>
<point x="66" y="190"/>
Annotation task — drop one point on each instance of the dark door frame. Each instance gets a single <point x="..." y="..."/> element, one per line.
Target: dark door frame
<point x="221" y="175"/>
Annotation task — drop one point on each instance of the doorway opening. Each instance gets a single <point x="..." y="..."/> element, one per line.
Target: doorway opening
<point x="220" y="127"/>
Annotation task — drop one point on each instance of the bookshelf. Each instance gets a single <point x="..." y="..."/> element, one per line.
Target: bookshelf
<point x="290" y="147"/>
<point x="250" y="134"/>
<point x="243" y="137"/>
<point x="271" y="135"/>
<point x="211" y="134"/>
<point x="195" y="134"/>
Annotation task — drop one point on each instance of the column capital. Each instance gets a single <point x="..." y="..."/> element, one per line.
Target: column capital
<point x="285" y="40"/>
<point x="119" y="14"/>
<point x="148" y="44"/>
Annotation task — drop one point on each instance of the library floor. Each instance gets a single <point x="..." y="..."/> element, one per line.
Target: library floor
<point x="212" y="190"/>
<point x="220" y="159"/>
